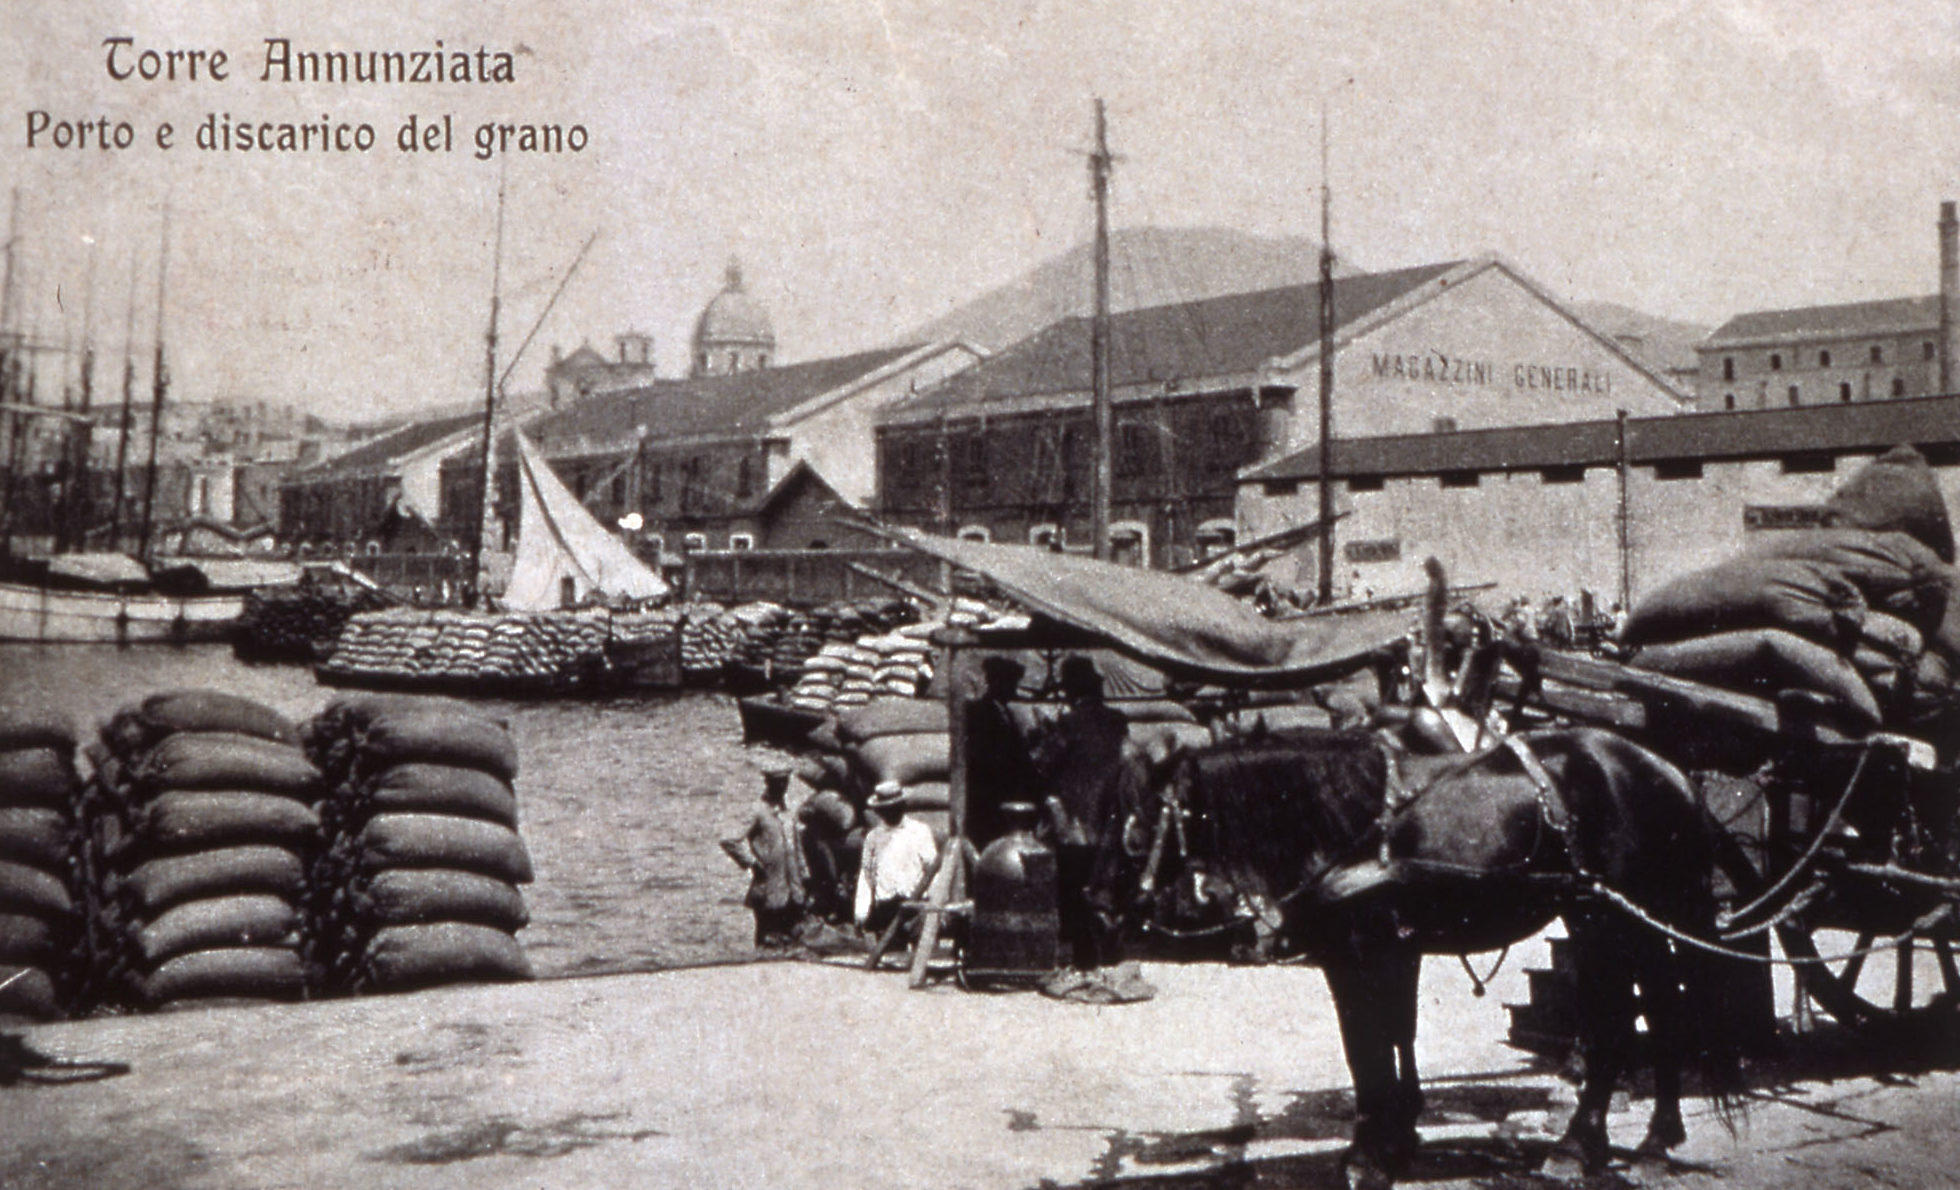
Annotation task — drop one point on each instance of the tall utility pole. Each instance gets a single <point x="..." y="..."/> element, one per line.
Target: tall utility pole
<point x="1326" y="591"/>
<point x="159" y="384"/>
<point x="483" y="507"/>
<point x="1099" y="165"/>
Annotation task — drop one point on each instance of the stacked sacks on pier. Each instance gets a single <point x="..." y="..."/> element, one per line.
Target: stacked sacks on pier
<point x="417" y="883"/>
<point x="542" y="650"/>
<point x="198" y="825"/>
<point x="1864" y="612"/>
<point x="42" y="952"/>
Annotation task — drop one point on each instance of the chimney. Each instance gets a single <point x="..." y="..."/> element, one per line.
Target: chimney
<point x="1949" y="296"/>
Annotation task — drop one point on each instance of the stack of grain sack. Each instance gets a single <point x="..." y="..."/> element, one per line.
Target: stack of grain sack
<point x="416" y="883"/>
<point x="197" y="826"/>
<point x="541" y="650"/>
<point x="298" y="623"/>
<point x="41" y="943"/>
<point x="889" y="653"/>
<point x="1863" y="613"/>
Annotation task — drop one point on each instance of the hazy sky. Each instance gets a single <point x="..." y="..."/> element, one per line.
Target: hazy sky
<point x="875" y="164"/>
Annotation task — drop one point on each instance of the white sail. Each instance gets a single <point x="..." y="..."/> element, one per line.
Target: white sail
<point x="558" y="540"/>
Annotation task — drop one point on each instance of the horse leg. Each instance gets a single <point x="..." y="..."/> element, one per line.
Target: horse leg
<point x="1660" y="1003"/>
<point x="1605" y="987"/>
<point x="1405" y="972"/>
<point x="1367" y="1039"/>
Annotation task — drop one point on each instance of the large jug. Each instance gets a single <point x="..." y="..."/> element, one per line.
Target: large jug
<point x="1016" y="929"/>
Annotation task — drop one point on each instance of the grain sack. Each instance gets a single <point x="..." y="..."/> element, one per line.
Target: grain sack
<point x="1793" y="594"/>
<point x="438" y="737"/>
<point x="444" y="789"/>
<point x="28" y="992"/>
<point x="256" y="972"/>
<point x="890" y="716"/>
<point x="906" y="759"/>
<point x="35" y="727"/>
<point x="411" y="896"/>
<point x="1895" y="492"/>
<point x="248" y="920"/>
<point x="37" y="775"/>
<point x="216" y="710"/>
<point x="1765" y="662"/>
<point x="444" y="841"/>
<point x="1891" y="636"/>
<point x="26" y="940"/>
<point x="1894" y="571"/>
<point x="200" y="820"/>
<point x="36" y="836"/>
<point x="27" y="889"/>
<point x="402" y="957"/>
<point x="161" y="883"/>
<point x="222" y="760"/>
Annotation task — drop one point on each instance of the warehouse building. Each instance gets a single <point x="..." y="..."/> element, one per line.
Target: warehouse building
<point x="1199" y="390"/>
<point x="1610" y="507"/>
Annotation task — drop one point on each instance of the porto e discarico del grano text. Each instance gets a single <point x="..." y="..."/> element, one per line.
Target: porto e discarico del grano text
<point x="127" y="61"/>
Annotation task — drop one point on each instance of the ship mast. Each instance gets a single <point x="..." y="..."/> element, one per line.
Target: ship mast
<point x="1099" y="167"/>
<point x="483" y="509"/>
<point x="159" y="385"/>
<point x="122" y="432"/>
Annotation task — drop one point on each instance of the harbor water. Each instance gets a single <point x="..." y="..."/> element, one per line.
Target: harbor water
<point x="621" y="800"/>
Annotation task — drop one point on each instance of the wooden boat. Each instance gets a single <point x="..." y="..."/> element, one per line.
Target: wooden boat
<point x="107" y="599"/>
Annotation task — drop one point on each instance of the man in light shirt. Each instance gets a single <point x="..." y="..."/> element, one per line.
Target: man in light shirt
<point x="898" y="858"/>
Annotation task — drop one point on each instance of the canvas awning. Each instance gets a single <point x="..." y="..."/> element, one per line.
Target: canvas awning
<point x="558" y="540"/>
<point x="1177" y="624"/>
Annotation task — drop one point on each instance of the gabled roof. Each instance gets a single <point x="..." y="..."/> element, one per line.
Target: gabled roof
<point x="733" y="405"/>
<point x="801" y="475"/>
<point x="1233" y="335"/>
<point x="383" y="456"/>
<point x="1853" y="320"/>
<point x="1736" y="434"/>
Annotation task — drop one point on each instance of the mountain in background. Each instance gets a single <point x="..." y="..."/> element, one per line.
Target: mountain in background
<point x="1666" y="345"/>
<point x="1148" y="266"/>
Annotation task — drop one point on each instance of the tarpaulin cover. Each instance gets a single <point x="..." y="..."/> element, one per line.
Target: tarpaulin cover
<point x="1175" y="623"/>
<point x="558" y="539"/>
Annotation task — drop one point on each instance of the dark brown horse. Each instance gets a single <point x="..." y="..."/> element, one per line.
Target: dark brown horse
<point x="1364" y="860"/>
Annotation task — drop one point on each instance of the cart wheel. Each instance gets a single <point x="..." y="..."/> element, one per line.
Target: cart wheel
<point x="1883" y="988"/>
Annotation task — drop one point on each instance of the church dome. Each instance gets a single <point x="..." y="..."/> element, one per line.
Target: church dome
<point x="733" y="333"/>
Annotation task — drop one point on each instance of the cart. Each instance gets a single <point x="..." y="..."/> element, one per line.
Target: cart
<point x="1841" y="843"/>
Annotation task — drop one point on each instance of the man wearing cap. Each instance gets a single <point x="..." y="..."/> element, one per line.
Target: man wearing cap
<point x="899" y="854"/>
<point x="768" y="850"/>
<point x="999" y="767"/>
<point x="1081" y="762"/>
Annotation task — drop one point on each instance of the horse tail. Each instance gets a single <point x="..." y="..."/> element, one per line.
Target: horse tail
<point x="1707" y="988"/>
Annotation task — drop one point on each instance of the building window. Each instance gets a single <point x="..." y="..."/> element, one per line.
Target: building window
<point x="970" y="464"/>
<point x="1844" y="392"/>
<point x="1927" y="351"/>
<point x="1878" y="354"/>
<point x="1898" y="386"/>
<point x="1573" y="473"/>
<point x="1442" y="425"/>
<point x="1129" y="544"/>
<point x="1216" y="537"/>
<point x="1775" y="362"/>
<point x="1458" y="479"/>
<point x="1823" y="359"/>
<point x="744" y="478"/>
<point x="694" y="541"/>
<point x="1796" y="396"/>
<point x="1677" y="469"/>
<point x="1728" y="400"/>
<point x="978" y="533"/>
<point x="741" y="541"/>
<point x="1048" y="537"/>
<point x="1728" y="367"/>
<point x="1365" y="483"/>
<point x="1136" y="449"/>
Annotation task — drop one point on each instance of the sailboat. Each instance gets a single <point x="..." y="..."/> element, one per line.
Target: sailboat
<point x="103" y="597"/>
<point x="564" y="555"/>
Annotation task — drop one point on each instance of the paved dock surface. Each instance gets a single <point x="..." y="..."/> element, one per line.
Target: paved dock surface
<point x="806" y="1074"/>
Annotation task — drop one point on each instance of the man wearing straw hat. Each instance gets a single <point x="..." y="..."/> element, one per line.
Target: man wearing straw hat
<point x="898" y="859"/>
